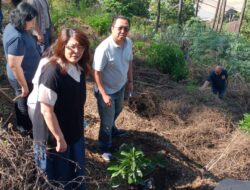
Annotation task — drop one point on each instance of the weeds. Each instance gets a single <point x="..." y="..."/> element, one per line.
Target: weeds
<point x="244" y="124"/>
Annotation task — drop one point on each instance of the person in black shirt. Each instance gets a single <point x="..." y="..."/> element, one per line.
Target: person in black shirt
<point x="218" y="79"/>
<point x="59" y="141"/>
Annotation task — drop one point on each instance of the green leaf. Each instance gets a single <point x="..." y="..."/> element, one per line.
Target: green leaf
<point x="139" y="173"/>
<point x="113" y="168"/>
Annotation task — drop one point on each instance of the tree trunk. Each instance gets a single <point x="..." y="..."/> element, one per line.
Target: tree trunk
<point x="78" y="4"/>
<point x="157" y="24"/>
<point x="197" y="7"/>
<point x="222" y="15"/>
<point x="180" y="11"/>
<point x="241" y="16"/>
<point x="216" y="13"/>
<point x="219" y="15"/>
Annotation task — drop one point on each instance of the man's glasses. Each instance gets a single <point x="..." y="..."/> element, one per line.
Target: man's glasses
<point x="124" y="28"/>
<point x="74" y="47"/>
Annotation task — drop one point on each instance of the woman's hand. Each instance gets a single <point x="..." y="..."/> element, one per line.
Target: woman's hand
<point x="25" y="91"/>
<point x="53" y="125"/>
<point x="61" y="145"/>
<point x="130" y="86"/>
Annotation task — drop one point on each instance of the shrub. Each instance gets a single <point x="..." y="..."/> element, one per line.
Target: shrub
<point x="244" y="124"/>
<point x="61" y="11"/>
<point x="191" y="86"/>
<point x="168" y="58"/>
<point x="139" y="47"/>
<point x="101" y="23"/>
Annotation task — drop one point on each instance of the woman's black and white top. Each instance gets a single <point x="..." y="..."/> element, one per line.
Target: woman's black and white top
<point x="67" y="94"/>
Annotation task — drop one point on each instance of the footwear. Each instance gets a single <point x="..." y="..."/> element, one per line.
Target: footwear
<point x="119" y="133"/>
<point x="85" y="124"/>
<point x="20" y="129"/>
<point x="107" y="156"/>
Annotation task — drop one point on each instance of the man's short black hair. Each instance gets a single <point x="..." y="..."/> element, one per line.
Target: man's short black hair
<point x="24" y="12"/>
<point x="120" y="17"/>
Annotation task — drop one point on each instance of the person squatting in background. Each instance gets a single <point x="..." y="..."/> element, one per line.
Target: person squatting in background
<point x="58" y="116"/>
<point x="112" y="72"/>
<point x="22" y="58"/>
<point x="218" y="79"/>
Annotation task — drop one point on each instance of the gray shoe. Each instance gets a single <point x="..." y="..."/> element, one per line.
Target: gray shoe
<point x="107" y="156"/>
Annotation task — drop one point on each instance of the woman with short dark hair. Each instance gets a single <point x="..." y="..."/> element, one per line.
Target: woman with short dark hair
<point x="59" y="141"/>
<point x="22" y="57"/>
<point x="15" y="2"/>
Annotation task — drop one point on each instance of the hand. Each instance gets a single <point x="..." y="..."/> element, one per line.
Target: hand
<point x="40" y="38"/>
<point x="107" y="100"/>
<point x="130" y="86"/>
<point x="61" y="145"/>
<point x="25" y="91"/>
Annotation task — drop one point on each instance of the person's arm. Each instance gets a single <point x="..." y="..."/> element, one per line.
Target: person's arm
<point x="53" y="125"/>
<point x="106" y="98"/>
<point x="130" y="77"/>
<point x="15" y="65"/>
<point x="205" y="85"/>
<point x="37" y="32"/>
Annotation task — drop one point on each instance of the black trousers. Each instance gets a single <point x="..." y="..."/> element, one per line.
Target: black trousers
<point x="21" y="108"/>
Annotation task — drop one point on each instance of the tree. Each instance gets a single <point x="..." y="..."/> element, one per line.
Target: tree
<point x="222" y="15"/>
<point x="128" y="8"/>
<point x="219" y="15"/>
<point x="158" y="15"/>
<point x="242" y="16"/>
<point x="216" y="13"/>
<point x="245" y="28"/>
<point x="197" y="7"/>
<point x="77" y="4"/>
<point x="180" y="11"/>
<point x="170" y="10"/>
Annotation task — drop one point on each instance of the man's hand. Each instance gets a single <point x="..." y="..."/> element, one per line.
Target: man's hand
<point x="107" y="100"/>
<point x="130" y="86"/>
<point x="205" y="85"/>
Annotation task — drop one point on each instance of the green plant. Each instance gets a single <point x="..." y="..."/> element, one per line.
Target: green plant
<point x="61" y="10"/>
<point x="101" y="22"/>
<point x="127" y="8"/>
<point x="191" y="86"/>
<point x="244" y="124"/>
<point x="168" y="58"/>
<point x="139" y="48"/>
<point x="131" y="166"/>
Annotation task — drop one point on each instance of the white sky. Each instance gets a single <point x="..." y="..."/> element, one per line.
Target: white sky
<point x="208" y="7"/>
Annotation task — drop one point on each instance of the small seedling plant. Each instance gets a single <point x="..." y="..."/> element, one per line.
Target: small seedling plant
<point x="130" y="166"/>
<point x="244" y="124"/>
